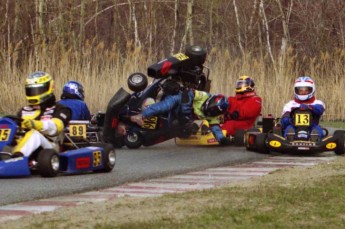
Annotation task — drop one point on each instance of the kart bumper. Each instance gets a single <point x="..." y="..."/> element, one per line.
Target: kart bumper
<point x="279" y="144"/>
<point x="15" y="167"/>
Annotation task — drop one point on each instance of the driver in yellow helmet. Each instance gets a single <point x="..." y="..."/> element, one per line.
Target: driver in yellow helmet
<point x="43" y="119"/>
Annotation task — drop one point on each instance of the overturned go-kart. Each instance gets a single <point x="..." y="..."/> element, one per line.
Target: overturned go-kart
<point x="301" y="141"/>
<point x="96" y="157"/>
<point x="171" y="75"/>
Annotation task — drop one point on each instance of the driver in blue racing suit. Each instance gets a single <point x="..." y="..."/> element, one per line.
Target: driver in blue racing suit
<point x="304" y="91"/>
<point x="73" y="97"/>
<point x="188" y="106"/>
<point x="43" y="119"/>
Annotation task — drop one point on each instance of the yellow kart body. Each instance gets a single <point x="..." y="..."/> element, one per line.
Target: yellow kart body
<point x="199" y="139"/>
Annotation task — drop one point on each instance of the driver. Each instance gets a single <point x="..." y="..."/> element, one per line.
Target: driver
<point x="304" y="91"/>
<point x="188" y="106"/>
<point x="43" y="118"/>
<point x="73" y="98"/>
<point x="244" y="107"/>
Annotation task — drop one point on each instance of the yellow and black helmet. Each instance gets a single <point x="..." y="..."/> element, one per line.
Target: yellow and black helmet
<point x="39" y="88"/>
<point x="244" y="84"/>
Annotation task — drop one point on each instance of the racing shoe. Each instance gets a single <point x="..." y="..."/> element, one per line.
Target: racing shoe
<point x="290" y="135"/>
<point x="314" y="135"/>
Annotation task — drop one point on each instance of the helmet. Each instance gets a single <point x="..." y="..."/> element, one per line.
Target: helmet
<point x="304" y="88"/>
<point x="244" y="84"/>
<point x="215" y="105"/>
<point x="39" y="88"/>
<point x="73" y="90"/>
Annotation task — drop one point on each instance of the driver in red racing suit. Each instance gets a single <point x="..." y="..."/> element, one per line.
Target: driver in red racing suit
<point x="244" y="107"/>
<point x="43" y="119"/>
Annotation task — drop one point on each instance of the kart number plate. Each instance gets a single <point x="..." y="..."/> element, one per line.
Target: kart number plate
<point x="302" y="120"/>
<point x="97" y="158"/>
<point x="4" y="134"/>
<point x="181" y="56"/>
<point x="77" y="130"/>
<point x="150" y="123"/>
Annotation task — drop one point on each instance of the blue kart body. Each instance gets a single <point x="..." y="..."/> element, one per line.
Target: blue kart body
<point x="74" y="161"/>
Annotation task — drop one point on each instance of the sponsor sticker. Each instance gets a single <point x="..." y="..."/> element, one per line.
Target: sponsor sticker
<point x="275" y="144"/>
<point x="331" y="145"/>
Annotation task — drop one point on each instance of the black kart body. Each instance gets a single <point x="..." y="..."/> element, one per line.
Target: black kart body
<point x="171" y="75"/>
<point x="271" y="138"/>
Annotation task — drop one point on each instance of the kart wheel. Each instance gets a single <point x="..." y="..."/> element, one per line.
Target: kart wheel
<point x="137" y="82"/>
<point x="239" y="137"/>
<point x="133" y="140"/>
<point x="260" y="144"/>
<point x="108" y="156"/>
<point x="340" y="149"/>
<point x="48" y="163"/>
<point x="197" y="54"/>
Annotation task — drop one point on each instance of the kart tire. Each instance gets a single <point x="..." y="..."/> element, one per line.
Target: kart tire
<point x="260" y="144"/>
<point x="137" y="81"/>
<point x="197" y="54"/>
<point x="133" y="140"/>
<point x="48" y="163"/>
<point x="108" y="156"/>
<point x="239" y="137"/>
<point x="340" y="149"/>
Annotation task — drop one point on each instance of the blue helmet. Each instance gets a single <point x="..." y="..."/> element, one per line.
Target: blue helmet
<point x="215" y="105"/>
<point x="73" y="90"/>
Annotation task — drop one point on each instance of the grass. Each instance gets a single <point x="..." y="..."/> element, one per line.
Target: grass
<point x="103" y="72"/>
<point x="282" y="199"/>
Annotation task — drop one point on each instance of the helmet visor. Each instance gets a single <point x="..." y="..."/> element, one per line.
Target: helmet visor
<point x="242" y="83"/>
<point x="303" y="90"/>
<point x="36" y="89"/>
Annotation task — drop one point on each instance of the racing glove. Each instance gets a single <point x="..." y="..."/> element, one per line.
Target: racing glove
<point x="32" y="124"/>
<point x="235" y="115"/>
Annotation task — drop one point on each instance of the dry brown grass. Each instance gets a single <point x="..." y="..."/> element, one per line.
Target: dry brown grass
<point x="104" y="71"/>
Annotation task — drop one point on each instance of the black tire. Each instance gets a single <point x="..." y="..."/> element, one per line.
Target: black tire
<point x="137" y="81"/>
<point x="133" y="140"/>
<point x="260" y="144"/>
<point x="108" y="156"/>
<point x="197" y="54"/>
<point x="338" y="132"/>
<point x="239" y="137"/>
<point x="48" y="163"/>
<point x="340" y="149"/>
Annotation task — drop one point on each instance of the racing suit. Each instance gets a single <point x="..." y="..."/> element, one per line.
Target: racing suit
<point x="246" y="108"/>
<point x="317" y="107"/>
<point x="53" y="118"/>
<point x="186" y="107"/>
<point x="79" y="109"/>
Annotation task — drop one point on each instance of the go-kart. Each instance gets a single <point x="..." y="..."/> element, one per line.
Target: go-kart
<point x="71" y="158"/>
<point x="202" y="136"/>
<point x="182" y="71"/>
<point x="303" y="140"/>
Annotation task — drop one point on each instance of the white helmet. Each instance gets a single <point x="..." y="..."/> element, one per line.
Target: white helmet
<point x="304" y="88"/>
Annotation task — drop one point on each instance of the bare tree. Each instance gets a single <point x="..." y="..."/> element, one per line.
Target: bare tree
<point x="266" y="29"/>
<point x="188" y="28"/>
<point x="238" y="28"/>
<point x="176" y="22"/>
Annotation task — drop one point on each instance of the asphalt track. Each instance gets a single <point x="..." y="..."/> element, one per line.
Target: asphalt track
<point x="132" y="165"/>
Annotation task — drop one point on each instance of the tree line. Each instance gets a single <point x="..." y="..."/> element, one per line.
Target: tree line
<point x="270" y="29"/>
